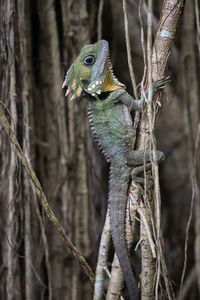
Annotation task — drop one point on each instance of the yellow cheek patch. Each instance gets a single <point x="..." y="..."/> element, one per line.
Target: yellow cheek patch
<point x="78" y="91"/>
<point x="109" y="84"/>
<point x="74" y="84"/>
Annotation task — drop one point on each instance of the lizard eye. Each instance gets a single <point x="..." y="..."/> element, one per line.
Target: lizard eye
<point x="89" y="60"/>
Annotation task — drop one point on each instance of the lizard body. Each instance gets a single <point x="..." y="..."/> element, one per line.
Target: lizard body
<point x="109" y="107"/>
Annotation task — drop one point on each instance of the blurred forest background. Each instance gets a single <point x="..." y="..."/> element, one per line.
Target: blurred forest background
<point x="38" y="42"/>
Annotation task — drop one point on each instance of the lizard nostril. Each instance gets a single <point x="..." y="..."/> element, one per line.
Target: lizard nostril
<point x="85" y="82"/>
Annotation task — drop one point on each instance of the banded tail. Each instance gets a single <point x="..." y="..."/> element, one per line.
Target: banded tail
<point x="118" y="194"/>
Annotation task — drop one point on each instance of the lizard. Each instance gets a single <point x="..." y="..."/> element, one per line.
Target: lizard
<point x="109" y="114"/>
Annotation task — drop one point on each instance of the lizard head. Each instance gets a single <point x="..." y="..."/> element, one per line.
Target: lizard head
<point x="91" y="73"/>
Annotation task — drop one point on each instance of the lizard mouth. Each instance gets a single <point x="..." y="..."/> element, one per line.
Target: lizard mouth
<point x="90" y="97"/>
<point x="106" y="82"/>
<point x="96" y="86"/>
<point x="93" y="88"/>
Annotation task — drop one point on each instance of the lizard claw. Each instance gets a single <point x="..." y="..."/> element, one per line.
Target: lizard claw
<point x="65" y="82"/>
<point x="160" y="84"/>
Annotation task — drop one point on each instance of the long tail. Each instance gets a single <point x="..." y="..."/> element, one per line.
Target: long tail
<point x="118" y="192"/>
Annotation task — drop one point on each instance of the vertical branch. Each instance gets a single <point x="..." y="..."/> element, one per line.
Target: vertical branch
<point x="102" y="260"/>
<point x="24" y="65"/>
<point x="171" y="14"/>
<point x="186" y="241"/>
<point x="188" y="284"/>
<point x="148" y="264"/>
<point x="149" y="52"/>
<point x="11" y="226"/>
<point x="153" y="143"/>
<point x="147" y="252"/>
<point x="195" y="194"/>
<point x="11" y="217"/>
<point x="143" y="47"/>
<point x="190" y="95"/>
<point x="99" y="20"/>
<point x="172" y="11"/>
<point x="196" y="187"/>
<point x="116" y="281"/>
<point x="128" y="48"/>
<point x="151" y="116"/>
<point x="27" y="196"/>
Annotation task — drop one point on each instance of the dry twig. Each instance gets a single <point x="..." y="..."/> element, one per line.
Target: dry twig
<point x="41" y="196"/>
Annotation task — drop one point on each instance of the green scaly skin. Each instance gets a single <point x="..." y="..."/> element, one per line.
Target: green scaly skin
<point x="109" y="107"/>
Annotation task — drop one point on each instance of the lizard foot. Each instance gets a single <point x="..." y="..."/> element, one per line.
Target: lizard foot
<point x="137" y="175"/>
<point x="160" y="84"/>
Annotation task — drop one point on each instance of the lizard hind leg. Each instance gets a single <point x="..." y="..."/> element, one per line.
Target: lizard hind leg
<point x="136" y="158"/>
<point x="137" y="175"/>
<point x="141" y="162"/>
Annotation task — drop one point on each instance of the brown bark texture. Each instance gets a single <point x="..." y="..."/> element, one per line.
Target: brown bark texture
<point x="38" y="42"/>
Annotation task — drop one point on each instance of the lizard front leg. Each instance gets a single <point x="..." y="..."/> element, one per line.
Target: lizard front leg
<point x="138" y="104"/>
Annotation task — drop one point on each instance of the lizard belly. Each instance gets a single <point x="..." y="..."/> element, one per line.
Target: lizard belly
<point x="113" y="130"/>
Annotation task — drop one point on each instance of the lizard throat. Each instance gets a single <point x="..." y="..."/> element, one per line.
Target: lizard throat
<point x="111" y="83"/>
